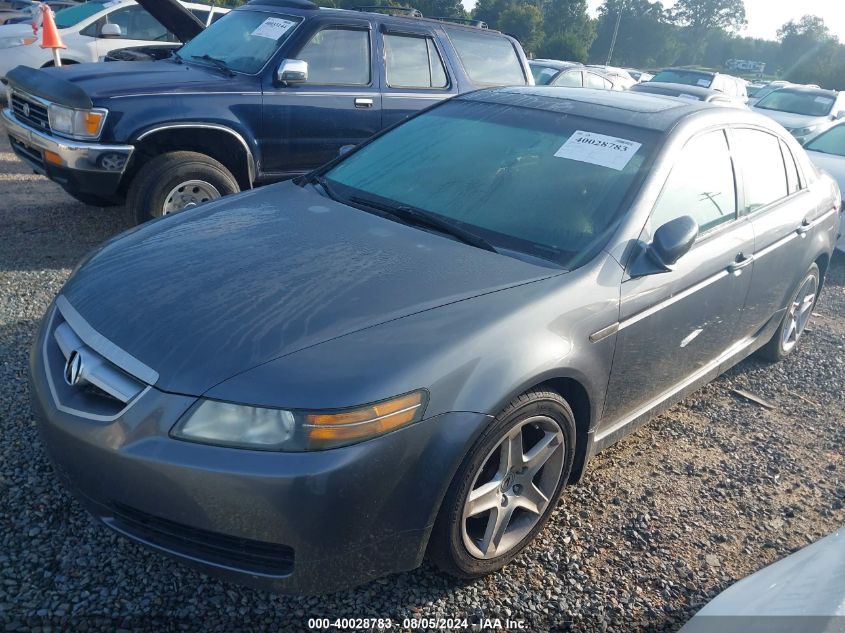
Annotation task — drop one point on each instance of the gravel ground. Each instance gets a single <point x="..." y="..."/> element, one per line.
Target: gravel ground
<point x="708" y="493"/>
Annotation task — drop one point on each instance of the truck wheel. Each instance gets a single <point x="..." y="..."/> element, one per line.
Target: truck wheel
<point x="175" y="181"/>
<point x="507" y="486"/>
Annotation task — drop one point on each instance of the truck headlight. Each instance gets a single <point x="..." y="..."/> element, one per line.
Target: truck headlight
<point x="81" y="124"/>
<point x="242" y="426"/>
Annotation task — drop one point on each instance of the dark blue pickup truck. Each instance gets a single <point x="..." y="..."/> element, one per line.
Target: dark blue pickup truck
<point x="271" y="90"/>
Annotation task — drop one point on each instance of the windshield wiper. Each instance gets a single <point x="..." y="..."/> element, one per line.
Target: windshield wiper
<point x="221" y="64"/>
<point x="417" y="217"/>
<point x="317" y="179"/>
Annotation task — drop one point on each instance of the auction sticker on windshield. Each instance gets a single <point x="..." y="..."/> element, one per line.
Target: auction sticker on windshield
<point x="273" y="28"/>
<point x="598" y="149"/>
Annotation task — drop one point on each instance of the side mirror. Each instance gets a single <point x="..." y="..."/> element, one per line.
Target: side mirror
<point x="673" y="240"/>
<point x="292" y="71"/>
<point x="345" y="149"/>
<point x="110" y="30"/>
<point x="839" y="115"/>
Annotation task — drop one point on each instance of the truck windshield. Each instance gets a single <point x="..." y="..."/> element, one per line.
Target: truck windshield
<point x="72" y="16"/>
<point x="524" y="180"/>
<point x="242" y="40"/>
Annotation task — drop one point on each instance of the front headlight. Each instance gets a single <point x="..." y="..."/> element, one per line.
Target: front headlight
<point x="804" y="131"/>
<point x="82" y="124"/>
<point x="228" y="424"/>
<point x="10" y="42"/>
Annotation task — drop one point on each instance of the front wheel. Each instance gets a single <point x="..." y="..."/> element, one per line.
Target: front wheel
<point x="176" y="181"/>
<point x="795" y="320"/>
<point x="507" y="486"/>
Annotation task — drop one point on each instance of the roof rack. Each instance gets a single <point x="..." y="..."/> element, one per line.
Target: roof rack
<point x="409" y="11"/>
<point x="480" y="24"/>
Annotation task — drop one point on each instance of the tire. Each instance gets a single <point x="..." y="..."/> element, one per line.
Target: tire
<point x="153" y="191"/>
<point x="795" y="320"/>
<point x="93" y="200"/>
<point x="459" y="542"/>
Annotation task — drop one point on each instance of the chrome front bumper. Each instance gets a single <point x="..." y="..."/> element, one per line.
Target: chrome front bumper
<point x="30" y="145"/>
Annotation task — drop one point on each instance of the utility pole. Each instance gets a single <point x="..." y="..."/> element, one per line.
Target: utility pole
<point x="615" y="33"/>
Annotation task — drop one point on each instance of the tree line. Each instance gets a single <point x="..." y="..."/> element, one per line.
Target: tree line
<point x="647" y="34"/>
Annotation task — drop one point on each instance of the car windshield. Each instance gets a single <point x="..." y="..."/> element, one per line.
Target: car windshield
<point x="798" y="102"/>
<point x="830" y="142"/>
<point x="543" y="74"/>
<point x="536" y="183"/>
<point x="72" y="16"/>
<point x="241" y="40"/>
<point x="690" y="78"/>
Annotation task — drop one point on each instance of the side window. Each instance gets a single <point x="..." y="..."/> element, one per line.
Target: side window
<point x="707" y="195"/>
<point x="591" y="80"/>
<point x="570" y="79"/>
<point x="136" y="24"/>
<point x="793" y="182"/>
<point x="487" y="58"/>
<point x="338" y="56"/>
<point x="201" y="15"/>
<point x="413" y="62"/>
<point x="763" y="173"/>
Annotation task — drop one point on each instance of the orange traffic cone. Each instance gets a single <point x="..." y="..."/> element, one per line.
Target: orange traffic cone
<point x="50" y="34"/>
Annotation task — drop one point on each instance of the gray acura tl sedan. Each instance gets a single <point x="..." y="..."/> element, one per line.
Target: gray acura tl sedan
<point x="413" y="349"/>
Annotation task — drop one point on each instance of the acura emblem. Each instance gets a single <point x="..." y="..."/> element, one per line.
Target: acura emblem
<point x="73" y="368"/>
<point x="25" y="109"/>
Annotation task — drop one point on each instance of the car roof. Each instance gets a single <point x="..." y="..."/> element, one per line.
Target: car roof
<point x="806" y="89"/>
<point x="554" y="63"/>
<point x="305" y="8"/>
<point x="666" y="85"/>
<point x="649" y="111"/>
<point x="695" y="71"/>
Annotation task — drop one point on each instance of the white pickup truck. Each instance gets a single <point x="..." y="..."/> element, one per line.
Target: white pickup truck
<point x="93" y="29"/>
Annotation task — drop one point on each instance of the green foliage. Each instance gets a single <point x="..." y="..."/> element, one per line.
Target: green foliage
<point x="706" y="15"/>
<point x="647" y="38"/>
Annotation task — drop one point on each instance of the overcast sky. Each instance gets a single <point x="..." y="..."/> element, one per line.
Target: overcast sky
<point x="765" y="17"/>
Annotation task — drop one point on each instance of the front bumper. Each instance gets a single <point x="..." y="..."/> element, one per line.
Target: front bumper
<point x="292" y="522"/>
<point x="89" y="168"/>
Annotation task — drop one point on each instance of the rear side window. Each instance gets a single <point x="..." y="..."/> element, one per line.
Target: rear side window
<point x="591" y="80"/>
<point x="707" y="195"/>
<point x="489" y="60"/>
<point x="338" y="57"/>
<point x="413" y="62"/>
<point x="763" y="172"/>
<point x="571" y="79"/>
<point x="793" y="183"/>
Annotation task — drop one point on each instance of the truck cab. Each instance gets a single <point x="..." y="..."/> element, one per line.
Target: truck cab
<point x="271" y="90"/>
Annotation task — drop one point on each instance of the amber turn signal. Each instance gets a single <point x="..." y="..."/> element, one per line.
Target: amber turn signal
<point x="326" y="430"/>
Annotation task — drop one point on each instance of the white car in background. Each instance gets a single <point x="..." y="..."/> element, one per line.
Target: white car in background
<point x="827" y="151"/>
<point x="619" y="76"/>
<point x="803" y="110"/>
<point x="93" y="29"/>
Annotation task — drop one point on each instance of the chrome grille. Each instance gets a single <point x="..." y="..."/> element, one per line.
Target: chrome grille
<point x="30" y="110"/>
<point x="88" y="375"/>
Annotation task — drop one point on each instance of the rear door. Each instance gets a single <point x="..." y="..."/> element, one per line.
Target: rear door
<point x="779" y="208"/>
<point x="415" y="74"/>
<point x="306" y="124"/>
<point x="673" y="324"/>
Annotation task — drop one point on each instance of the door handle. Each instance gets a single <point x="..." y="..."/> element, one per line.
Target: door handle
<point x="804" y="228"/>
<point x="363" y="102"/>
<point x="742" y="261"/>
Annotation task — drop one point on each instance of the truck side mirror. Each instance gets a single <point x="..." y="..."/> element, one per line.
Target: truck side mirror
<point x="292" y="71"/>
<point x="110" y="30"/>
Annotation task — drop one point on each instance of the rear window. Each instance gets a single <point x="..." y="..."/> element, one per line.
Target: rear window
<point x="489" y="60"/>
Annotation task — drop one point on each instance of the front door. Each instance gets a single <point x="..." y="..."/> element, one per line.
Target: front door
<point x="305" y="125"/>
<point x="674" y="323"/>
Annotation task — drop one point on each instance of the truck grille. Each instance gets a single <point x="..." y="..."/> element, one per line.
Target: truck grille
<point x="30" y="110"/>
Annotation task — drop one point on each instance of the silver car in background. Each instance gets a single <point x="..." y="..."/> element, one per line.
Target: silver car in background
<point x="803" y="110"/>
<point x="827" y="151"/>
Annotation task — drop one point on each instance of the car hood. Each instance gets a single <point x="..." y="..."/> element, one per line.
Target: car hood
<point x="176" y="18"/>
<point x="805" y="591"/>
<point x="791" y="121"/>
<point x="121" y="79"/>
<point x="210" y="293"/>
<point x="834" y="165"/>
<point x="15" y="30"/>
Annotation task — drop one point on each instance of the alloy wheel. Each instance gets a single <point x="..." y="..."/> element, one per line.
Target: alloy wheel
<point x="512" y="488"/>
<point x="189" y="194"/>
<point x="799" y="313"/>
